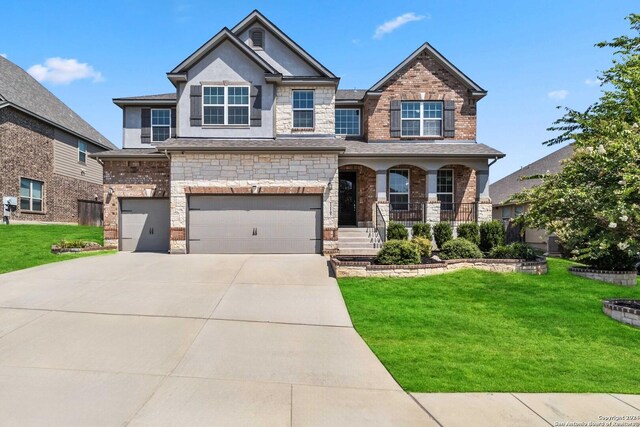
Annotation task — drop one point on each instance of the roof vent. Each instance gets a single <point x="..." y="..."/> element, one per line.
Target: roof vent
<point x="257" y="39"/>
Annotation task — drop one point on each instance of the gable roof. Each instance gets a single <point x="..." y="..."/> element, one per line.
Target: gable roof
<point x="215" y="41"/>
<point x="256" y="16"/>
<point x="501" y="190"/>
<point x="160" y="99"/>
<point x="23" y="92"/>
<point x="473" y="86"/>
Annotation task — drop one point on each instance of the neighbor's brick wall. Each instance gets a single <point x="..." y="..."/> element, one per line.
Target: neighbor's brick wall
<point x="66" y="193"/>
<point x="131" y="178"/>
<point x="324" y="105"/>
<point x="366" y="190"/>
<point x="426" y="75"/>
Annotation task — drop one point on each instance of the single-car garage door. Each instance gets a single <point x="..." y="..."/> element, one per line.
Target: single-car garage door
<point x="144" y="225"/>
<point x="255" y="224"/>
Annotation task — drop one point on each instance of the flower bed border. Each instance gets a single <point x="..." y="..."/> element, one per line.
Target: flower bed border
<point x="58" y="250"/>
<point x="627" y="315"/>
<point x="621" y="278"/>
<point x="367" y="269"/>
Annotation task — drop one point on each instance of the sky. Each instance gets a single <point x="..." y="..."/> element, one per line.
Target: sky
<point x="531" y="56"/>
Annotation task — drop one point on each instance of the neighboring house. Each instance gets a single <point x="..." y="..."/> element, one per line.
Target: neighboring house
<point x="258" y="151"/>
<point x="45" y="152"/>
<point x="506" y="211"/>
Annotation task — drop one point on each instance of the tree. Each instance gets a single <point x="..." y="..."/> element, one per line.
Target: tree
<point x="593" y="204"/>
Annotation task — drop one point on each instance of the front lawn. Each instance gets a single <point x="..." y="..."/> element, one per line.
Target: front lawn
<point x="26" y="245"/>
<point x="479" y="331"/>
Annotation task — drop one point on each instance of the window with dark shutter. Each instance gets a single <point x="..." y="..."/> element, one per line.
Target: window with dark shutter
<point x="145" y="128"/>
<point x="195" y="116"/>
<point x="256" y="106"/>
<point x="257" y="39"/>
<point x="449" y="119"/>
<point x="395" y="118"/>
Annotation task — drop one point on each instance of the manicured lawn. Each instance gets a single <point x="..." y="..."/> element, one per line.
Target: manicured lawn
<point x="479" y="331"/>
<point x="23" y="246"/>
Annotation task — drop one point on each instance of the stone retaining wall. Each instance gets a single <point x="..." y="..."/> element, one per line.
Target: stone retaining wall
<point x="622" y="278"/>
<point x="628" y="315"/>
<point x="366" y="269"/>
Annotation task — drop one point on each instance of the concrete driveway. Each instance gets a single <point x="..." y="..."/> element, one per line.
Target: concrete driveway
<point x="151" y="339"/>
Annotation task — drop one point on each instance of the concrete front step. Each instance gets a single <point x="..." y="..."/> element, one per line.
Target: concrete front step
<point x="358" y="241"/>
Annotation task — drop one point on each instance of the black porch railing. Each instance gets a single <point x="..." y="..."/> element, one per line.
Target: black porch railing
<point x="381" y="224"/>
<point x="407" y="213"/>
<point x="458" y="213"/>
<point x="455" y="213"/>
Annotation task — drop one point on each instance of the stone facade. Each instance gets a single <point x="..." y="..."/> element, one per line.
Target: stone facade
<point x="189" y="171"/>
<point x="130" y="178"/>
<point x="422" y="75"/>
<point x="324" y="105"/>
<point x="27" y="151"/>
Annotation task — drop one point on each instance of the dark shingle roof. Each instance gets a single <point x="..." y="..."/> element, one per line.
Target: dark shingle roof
<point x="124" y="153"/>
<point x="350" y="94"/>
<point x="160" y="97"/>
<point x="23" y="91"/>
<point x="421" y="149"/>
<point x="506" y="187"/>
<point x="278" y="144"/>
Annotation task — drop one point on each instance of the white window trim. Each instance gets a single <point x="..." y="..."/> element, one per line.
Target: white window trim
<point x="31" y="198"/>
<point x="453" y="187"/>
<point x="226" y="106"/>
<point x="312" y="109"/>
<point x="152" y="125"/>
<point x="80" y="152"/>
<point x="359" y="121"/>
<point x="408" y="193"/>
<point x="422" y="119"/>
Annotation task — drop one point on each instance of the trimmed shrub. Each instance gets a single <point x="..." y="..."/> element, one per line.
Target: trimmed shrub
<point x="423" y="244"/>
<point x="397" y="231"/>
<point x="398" y="252"/>
<point x="442" y="233"/>
<point x="421" y="229"/>
<point x="460" y="249"/>
<point x="470" y="231"/>
<point x="69" y="244"/>
<point x="515" y="251"/>
<point x="491" y="235"/>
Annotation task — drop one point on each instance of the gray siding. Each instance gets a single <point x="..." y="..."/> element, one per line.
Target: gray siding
<point x="65" y="159"/>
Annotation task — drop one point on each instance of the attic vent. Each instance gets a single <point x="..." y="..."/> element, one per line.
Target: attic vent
<point x="257" y="39"/>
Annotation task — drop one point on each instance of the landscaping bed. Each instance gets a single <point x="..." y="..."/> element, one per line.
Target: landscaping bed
<point x="622" y="278"/>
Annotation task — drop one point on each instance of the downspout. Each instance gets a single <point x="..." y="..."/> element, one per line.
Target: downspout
<point x="492" y="162"/>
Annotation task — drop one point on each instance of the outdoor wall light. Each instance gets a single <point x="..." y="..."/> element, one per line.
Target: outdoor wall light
<point x="330" y="186"/>
<point x="110" y="191"/>
<point x="254" y="189"/>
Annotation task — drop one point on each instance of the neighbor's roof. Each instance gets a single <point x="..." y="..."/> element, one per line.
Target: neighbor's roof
<point x="23" y="92"/>
<point x="503" y="189"/>
<point x="438" y="148"/>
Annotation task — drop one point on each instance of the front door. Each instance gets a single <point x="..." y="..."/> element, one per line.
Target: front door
<point x="347" y="199"/>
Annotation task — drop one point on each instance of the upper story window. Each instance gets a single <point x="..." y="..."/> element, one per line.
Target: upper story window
<point x="399" y="189"/>
<point x="347" y="121"/>
<point x="421" y="118"/>
<point x="31" y="195"/>
<point x="160" y="124"/>
<point x="257" y="39"/>
<point x="303" y="109"/>
<point x="82" y="152"/>
<point x="445" y="189"/>
<point x="225" y="105"/>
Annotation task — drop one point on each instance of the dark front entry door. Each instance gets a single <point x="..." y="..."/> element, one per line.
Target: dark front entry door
<point x="347" y="199"/>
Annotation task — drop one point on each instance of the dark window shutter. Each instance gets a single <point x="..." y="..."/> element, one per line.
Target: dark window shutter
<point x="449" y="122"/>
<point x="256" y="106"/>
<point x="145" y="126"/>
<point x="173" y="123"/>
<point x="395" y="126"/>
<point x="196" y="105"/>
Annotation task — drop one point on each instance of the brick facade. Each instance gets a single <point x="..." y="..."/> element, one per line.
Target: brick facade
<point x="422" y="75"/>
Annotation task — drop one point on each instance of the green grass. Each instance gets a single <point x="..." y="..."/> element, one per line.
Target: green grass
<point x="23" y="246"/>
<point x="479" y="331"/>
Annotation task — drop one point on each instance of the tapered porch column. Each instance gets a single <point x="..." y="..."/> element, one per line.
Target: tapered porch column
<point x="381" y="185"/>
<point x="432" y="205"/>
<point x="482" y="196"/>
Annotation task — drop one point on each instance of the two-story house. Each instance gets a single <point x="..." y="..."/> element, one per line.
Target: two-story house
<point x="258" y="151"/>
<point x="45" y="154"/>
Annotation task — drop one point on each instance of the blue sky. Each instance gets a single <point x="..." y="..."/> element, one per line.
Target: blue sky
<point x="531" y="56"/>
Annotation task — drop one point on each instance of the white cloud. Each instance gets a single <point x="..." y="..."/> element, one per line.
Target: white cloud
<point x="63" y="71"/>
<point x="396" y="23"/>
<point x="4" y="55"/>
<point x="558" y="95"/>
<point x="593" y="82"/>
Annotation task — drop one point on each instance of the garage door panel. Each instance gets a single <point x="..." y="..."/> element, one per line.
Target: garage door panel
<point x="144" y="225"/>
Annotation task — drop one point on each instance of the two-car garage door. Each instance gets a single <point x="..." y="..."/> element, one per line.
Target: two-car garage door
<point x="255" y="224"/>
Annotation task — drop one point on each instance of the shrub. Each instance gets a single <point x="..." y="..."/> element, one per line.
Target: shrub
<point x="67" y="244"/>
<point x="470" y="231"/>
<point x="423" y="244"/>
<point x="398" y="252"/>
<point x="515" y="251"/>
<point x="491" y="235"/>
<point x="442" y="233"/>
<point x="460" y="248"/>
<point x="397" y="231"/>
<point x="421" y="229"/>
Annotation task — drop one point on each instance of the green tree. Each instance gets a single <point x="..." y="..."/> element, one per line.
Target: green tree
<point x="593" y="204"/>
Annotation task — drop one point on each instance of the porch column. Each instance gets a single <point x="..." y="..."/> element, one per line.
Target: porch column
<point x="432" y="206"/>
<point x="381" y="185"/>
<point x="484" y="208"/>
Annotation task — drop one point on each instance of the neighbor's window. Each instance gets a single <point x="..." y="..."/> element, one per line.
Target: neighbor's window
<point x="445" y="189"/>
<point x="160" y="124"/>
<point x="225" y="105"/>
<point x="506" y="212"/>
<point x="421" y="118"/>
<point x="347" y="121"/>
<point x="519" y="210"/>
<point x="82" y="152"/>
<point x="30" y="195"/>
<point x="303" y="109"/>
<point x="399" y="189"/>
